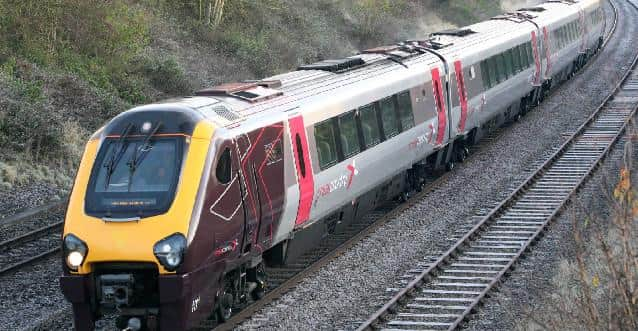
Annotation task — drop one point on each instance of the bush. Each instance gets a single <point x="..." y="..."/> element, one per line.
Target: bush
<point x="165" y="74"/>
<point x="598" y="289"/>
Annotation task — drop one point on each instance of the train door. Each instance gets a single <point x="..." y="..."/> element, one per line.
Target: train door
<point x="226" y="205"/>
<point x="262" y="167"/>
<point x="303" y="167"/>
<point x="440" y="101"/>
<point x="536" y="51"/>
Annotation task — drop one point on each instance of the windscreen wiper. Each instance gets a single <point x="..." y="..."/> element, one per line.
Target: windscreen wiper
<point x="116" y="154"/>
<point x="140" y="153"/>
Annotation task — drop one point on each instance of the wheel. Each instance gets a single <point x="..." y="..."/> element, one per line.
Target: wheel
<point x="225" y="306"/>
<point x="404" y="197"/>
<point x="260" y="290"/>
<point x="450" y="166"/>
<point x="462" y="154"/>
<point x="420" y="187"/>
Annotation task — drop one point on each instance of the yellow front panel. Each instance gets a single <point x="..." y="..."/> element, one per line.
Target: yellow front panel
<point x="133" y="241"/>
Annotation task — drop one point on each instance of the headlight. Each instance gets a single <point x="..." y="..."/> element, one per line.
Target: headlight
<point x="170" y="251"/>
<point x="75" y="251"/>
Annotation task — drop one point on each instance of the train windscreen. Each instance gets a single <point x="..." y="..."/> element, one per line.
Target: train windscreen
<point x="134" y="177"/>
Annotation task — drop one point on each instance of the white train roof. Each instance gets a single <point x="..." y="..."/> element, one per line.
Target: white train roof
<point x="252" y="104"/>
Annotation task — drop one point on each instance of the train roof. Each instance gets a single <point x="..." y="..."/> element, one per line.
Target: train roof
<point x="256" y="103"/>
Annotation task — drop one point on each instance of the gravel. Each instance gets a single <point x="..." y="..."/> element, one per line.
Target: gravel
<point x="353" y="286"/>
<point x="30" y="196"/>
<point x="527" y="288"/>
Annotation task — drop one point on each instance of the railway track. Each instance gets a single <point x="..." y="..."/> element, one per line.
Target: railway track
<point x="281" y="280"/>
<point x="30" y="247"/>
<point x="38" y="236"/>
<point x="448" y="290"/>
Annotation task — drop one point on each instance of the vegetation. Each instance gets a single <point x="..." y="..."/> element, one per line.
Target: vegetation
<point x="67" y="66"/>
<point x="598" y="289"/>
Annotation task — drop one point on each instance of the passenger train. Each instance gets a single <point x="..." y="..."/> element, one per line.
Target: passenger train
<point x="178" y="206"/>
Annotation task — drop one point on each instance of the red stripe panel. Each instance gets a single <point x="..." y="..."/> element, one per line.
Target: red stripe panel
<point x="548" y="53"/>
<point x="440" y="105"/>
<point x="537" y="59"/>
<point x="460" y="80"/>
<point x="306" y="184"/>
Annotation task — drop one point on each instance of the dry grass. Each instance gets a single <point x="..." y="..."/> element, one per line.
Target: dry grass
<point x="598" y="288"/>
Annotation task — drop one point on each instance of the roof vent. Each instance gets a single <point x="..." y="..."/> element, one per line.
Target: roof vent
<point x="248" y="91"/>
<point x="534" y="9"/>
<point x="454" y="32"/>
<point x="226" y="113"/>
<point x="335" y="66"/>
<point x="518" y="17"/>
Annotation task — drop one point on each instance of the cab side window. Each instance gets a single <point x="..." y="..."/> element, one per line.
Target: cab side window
<point x="224" y="167"/>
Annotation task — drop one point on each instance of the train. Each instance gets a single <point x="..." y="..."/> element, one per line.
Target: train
<point x="178" y="206"/>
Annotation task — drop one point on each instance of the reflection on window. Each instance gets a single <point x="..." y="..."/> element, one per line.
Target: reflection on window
<point x="349" y="135"/>
<point x="389" y="118"/>
<point x="326" y="145"/>
<point x="405" y="110"/>
<point x="369" y="125"/>
<point x="155" y="173"/>
<point x="223" y="171"/>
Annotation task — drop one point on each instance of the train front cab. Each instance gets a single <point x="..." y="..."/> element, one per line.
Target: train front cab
<point x="125" y="239"/>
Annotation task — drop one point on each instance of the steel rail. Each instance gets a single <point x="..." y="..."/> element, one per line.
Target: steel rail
<point x="292" y="282"/>
<point x="27" y="239"/>
<point x="529" y="227"/>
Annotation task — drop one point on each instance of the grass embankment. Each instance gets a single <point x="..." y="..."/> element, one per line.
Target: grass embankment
<point x="67" y="66"/>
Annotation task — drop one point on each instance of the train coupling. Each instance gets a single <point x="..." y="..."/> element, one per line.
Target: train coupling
<point x="116" y="290"/>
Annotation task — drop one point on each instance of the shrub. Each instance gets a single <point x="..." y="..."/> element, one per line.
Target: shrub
<point x="165" y="74"/>
<point x="598" y="289"/>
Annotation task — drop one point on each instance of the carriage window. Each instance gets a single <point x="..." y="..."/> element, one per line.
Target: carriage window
<point x="509" y="63"/>
<point x="389" y="119"/>
<point x="326" y="144"/>
<point x="516" y="58"/>
<point x="523" y="56"/>
<point x="530" y="53"/>
<point x="500" y="68"/>
<point x="485" y="74"/>
<point x="223" y="170"/>
<point x="349" y="135"/>
<point x="369" y="125"/>
<point x="405" y="110"/>
<point x="491" y="64"/>
<point x="300" y="156"/>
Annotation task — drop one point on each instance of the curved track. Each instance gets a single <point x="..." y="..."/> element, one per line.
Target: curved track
<point x="284" y="279"/>
<point x="449" y="290"/>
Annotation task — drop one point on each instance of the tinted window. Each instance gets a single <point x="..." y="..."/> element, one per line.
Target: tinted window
<point x="485" y="73"/>
<point x="530" y="54"/>
<point x="405" y="110"/>
<point x="523" y="56"/>
<point x="491" y="63"/>
<point x="349" y="135"/>
<point x="326" y="144"/>
<point x="509" y="63"/>
<point x="369" y="125"/>
<point x="516" y="58"/>
<point x="389" y="118"/>
<point x="223" y="169"/>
